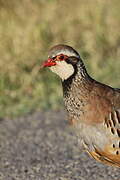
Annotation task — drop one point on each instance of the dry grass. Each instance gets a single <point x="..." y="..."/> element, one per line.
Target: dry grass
<point x="28" y="28"/>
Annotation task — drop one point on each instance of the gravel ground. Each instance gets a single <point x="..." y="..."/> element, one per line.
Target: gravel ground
<point x="41" y="147"/>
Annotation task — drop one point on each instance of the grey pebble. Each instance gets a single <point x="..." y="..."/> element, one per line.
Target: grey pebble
<point x="41" y="147"/>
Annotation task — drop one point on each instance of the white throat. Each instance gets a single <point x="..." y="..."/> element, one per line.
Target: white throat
<point x="63" y="69"/>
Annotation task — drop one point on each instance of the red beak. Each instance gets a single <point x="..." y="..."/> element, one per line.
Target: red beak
<point x="49" y="63"/>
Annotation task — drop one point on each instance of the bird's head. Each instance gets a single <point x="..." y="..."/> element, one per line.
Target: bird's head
<point x="62" y="60"/>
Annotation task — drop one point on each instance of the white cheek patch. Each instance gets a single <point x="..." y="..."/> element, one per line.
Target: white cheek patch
<point x="63" y="69"/>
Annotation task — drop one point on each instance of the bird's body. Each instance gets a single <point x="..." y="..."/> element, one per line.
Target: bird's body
<point x="93" y="108"/>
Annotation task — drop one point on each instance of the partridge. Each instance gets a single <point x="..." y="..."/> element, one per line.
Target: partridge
<point x="93" y="108"/>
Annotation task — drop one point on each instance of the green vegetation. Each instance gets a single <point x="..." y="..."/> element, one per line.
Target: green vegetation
<point x="28" y="28"/>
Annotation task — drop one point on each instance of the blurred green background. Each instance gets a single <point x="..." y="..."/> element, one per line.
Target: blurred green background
<point x="28" y="28"/>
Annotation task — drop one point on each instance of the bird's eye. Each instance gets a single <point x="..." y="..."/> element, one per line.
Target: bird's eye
<point x="61" y="57"/>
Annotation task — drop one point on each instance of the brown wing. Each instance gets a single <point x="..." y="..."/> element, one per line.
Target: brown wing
<point x="108" y="103"/>
<point x="102" y="100"/>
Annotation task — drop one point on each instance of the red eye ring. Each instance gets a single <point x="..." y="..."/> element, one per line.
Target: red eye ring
<point x="61" y="57"/>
